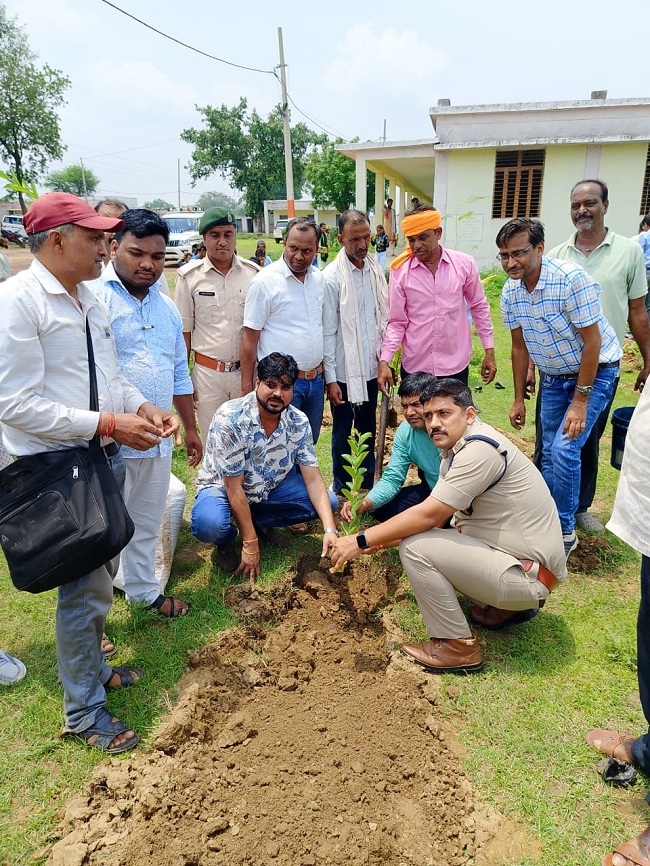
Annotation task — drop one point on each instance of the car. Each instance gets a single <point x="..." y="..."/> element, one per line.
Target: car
<point x="279" y="229"/>
<point x="183" y="233"/>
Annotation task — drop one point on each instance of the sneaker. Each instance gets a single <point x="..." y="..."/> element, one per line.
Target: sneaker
<point x="588" y="522"/>
<point x="225" y="557"/>
<point x="12" y="670"/>
<point x="570" y="543"/>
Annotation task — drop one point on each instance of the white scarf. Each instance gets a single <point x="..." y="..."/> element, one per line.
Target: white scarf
<point x="355" y="377"/>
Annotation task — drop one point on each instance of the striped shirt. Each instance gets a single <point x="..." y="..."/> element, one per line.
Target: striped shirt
<point x="565" y="299"/>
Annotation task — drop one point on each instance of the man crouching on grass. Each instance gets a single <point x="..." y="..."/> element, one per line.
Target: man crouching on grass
<point x="503" y="549"/>
<point x="254" y="446"/>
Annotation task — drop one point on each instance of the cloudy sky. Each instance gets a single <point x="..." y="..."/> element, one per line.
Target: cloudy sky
<point x="350" y="68"/>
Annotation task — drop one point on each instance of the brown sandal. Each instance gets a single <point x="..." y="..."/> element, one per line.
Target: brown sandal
<point x="612" y="743"/>
<point x="636" y="852"/>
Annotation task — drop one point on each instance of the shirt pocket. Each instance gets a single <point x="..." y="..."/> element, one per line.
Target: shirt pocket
<point x="559" y="326"/>
<point x="207" y="308"/>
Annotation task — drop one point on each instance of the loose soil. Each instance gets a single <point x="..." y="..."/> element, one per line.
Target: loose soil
<point x="300" y="738"/>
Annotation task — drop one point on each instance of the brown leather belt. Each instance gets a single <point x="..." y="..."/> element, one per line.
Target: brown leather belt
<point x="544" y="576"/>
<point x="310" y="374"/>
<point x="219" y="366"/>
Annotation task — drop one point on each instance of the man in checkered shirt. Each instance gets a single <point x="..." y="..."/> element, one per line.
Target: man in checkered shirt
<point x="552" y="309"/>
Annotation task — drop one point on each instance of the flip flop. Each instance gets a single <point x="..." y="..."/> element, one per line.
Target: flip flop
<point x="636" y="852"/>
<point x="106" y="728"/>
<point x="176" y="606"/>
<point x="126" y="676"/>
<point x="106" y="641"/>
<point x="518" y="617"/>
<point x="610" y="741"/>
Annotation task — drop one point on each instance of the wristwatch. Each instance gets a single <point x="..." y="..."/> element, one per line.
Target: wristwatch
<point x="362" y="542"/>
<point x="584" y="389"/>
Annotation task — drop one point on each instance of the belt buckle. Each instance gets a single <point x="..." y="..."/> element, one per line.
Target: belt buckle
<point x="311" y="374"/>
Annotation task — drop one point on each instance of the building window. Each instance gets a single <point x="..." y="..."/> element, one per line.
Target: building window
<point x="645" y="195"/>
<point x="518" y="178"/>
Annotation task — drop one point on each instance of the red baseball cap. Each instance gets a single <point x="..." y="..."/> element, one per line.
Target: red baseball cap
<point x="58" y="208"/>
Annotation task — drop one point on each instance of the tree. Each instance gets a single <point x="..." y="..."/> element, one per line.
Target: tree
<point x="249" y="152"/>
<point x="216" y="199"/>
<point x="332" y="178"/>
<point x="71" y="179"/>
<point x="29" y="98"/>
<point x="158" y="204"/>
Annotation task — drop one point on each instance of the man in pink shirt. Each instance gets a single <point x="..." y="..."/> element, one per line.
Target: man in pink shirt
<point x="430" y="290"/>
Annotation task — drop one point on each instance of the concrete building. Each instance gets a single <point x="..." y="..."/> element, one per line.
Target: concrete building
<point x="275" y="209"/>
<point x="488" y="163"/>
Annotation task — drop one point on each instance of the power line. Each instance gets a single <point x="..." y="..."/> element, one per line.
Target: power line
<point x="185" y="45"/>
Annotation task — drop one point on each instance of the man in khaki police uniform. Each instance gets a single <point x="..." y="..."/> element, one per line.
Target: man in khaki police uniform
<point x="210" y="295"/>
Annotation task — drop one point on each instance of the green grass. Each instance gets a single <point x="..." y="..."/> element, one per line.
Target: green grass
<point x="522" y="721"/>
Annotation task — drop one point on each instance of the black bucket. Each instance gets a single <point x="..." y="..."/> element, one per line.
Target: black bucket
<point x="620" y="423"/>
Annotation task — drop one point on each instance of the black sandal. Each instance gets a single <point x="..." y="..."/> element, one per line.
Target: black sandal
<point x="126" y="676"/>
<point x="175" y="608"/>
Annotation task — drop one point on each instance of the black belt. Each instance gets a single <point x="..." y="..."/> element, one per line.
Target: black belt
<point x="608" y="366"/>
<point x="111" y="450"/>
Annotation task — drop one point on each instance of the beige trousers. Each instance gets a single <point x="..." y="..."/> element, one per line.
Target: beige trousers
<point x="441" y="562"/>
<point x="213" y="389"/>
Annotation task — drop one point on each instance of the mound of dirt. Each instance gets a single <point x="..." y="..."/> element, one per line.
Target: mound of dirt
<point x="313" y="742"/>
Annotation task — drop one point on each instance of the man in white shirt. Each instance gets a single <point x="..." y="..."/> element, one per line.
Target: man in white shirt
<point x="284" y="313"/>
<point x="44" y="406"/>
<point x="354" y="320"/>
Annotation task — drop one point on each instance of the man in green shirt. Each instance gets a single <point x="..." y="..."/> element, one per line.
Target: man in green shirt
<point x="617" y="264"/>
<point x="411" y="445"/>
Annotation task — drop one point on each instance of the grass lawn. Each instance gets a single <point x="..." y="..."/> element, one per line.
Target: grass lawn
<point x="522" y="722"/>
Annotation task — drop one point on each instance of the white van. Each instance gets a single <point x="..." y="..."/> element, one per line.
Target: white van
<point x="183" y="233"/>
<point x="14" y="223"/>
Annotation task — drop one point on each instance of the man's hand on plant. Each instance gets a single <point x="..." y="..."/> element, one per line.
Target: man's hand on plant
<point x="346" y="509"/>
<point x="344" y="548"/>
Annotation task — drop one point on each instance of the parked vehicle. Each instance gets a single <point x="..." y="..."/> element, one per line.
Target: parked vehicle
<point x="279" y="229"/>
<point x="183" y="233"/>
<point x="15" y="236"/>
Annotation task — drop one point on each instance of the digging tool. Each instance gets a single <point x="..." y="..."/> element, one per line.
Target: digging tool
<point x="381" y="436"/>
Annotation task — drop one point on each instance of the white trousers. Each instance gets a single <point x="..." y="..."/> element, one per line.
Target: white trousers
<point x="145" y="492"/>
<point x="212" y="390"/>
<point x="441" y="562"/>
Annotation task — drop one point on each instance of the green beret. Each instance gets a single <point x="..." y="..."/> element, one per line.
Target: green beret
<point x="216" y="216"/>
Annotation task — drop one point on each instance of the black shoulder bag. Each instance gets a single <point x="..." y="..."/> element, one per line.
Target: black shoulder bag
<point x="61" y="512"/>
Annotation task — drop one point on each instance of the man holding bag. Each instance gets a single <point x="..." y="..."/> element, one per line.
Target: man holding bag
<point x="44" y="400"/>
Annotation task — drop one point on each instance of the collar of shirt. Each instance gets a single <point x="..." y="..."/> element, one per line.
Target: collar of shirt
<point x="286" y="271"/>
<point x="414" y="262"/>
<point x="54" y="287"/>
<point x="109" y="275"/>
<point x="606" y="241"/>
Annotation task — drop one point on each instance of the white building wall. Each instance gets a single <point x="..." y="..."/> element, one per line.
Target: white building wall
<point x="564" y="167"/>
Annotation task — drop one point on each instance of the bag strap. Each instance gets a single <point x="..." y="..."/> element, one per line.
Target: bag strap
<point x="94" y="399"/>
<point x="480" y="438"/>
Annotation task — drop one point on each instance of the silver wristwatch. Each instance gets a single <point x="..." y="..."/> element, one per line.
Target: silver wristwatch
<point x="584" y="389"/>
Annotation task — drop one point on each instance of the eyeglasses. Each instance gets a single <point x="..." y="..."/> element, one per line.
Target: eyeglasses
<point x="517" y="254"/>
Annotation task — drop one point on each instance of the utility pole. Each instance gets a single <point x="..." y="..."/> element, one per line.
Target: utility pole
<point x="83" y="178"/>
<point x="178" y="173"/>
<point x="288" y="162"/>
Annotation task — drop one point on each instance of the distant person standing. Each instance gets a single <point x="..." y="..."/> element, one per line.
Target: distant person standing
<point x="390" y="224"/>
<point x="323" y="246"/>
<point x="381" y="243"/>
<point x="643" y="238"/>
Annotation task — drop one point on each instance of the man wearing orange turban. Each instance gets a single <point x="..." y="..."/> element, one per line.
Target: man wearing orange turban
<point x="431" y="289"/>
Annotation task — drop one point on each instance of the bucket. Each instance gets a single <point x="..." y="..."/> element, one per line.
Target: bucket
<point x="620" y="423"/>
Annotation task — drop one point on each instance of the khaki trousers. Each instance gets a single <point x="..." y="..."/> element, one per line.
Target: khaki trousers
<point x="213" y="389"/>
<point x="441" y="562"/>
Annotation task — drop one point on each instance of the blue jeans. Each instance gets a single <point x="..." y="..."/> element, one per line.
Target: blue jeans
<point x="641" y="746"/>
<point x="364" y="417"/>
<point x="407" y="497"/>
<point x="561" y="455"/>
<point x="288" y="503"/>
<point x="80" y="620"/>
<point x="309" y="397"/>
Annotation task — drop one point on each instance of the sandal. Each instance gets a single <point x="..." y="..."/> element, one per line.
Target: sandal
<point x="106" y="644"/>
<point x="176" y="606"/>
<point x="128" y="677"/>
<point x="106" y="729"/>
<point x="613" y="744"/>
<point x="636" y="852"/>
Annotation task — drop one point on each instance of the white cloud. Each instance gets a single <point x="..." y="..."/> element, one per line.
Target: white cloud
<point x="372" y="63"/>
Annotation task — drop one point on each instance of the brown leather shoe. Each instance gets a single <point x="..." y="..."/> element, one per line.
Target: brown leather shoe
<point x="447" y="655"/>
<point x="495" y="618"/>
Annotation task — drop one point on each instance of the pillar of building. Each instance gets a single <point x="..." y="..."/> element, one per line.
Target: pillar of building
<point x="379" y="199"/>
<point x="360" y="189"/>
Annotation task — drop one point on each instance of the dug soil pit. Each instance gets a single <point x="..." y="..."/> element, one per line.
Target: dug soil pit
<point x="300" y="738"/>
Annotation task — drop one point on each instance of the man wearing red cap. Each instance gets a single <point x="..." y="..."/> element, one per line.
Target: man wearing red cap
<point x="44" y="406"/>
<point x="431" y="289"/>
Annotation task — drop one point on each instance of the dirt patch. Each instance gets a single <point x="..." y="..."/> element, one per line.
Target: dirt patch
<point x="313" y="742"/>
<point x="588" y="555"/>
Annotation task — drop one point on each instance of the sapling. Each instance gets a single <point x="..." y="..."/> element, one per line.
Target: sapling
<point x="353" y="491"/>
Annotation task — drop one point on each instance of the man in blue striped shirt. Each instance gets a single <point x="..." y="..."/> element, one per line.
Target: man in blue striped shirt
<point x="553" y="312"/>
